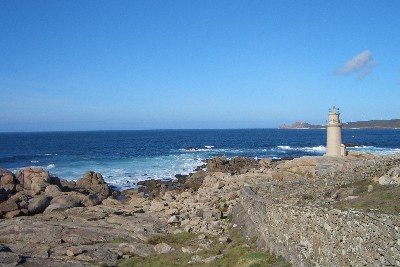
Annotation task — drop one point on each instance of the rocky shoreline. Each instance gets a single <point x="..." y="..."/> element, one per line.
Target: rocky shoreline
<point x="45" y="220"/>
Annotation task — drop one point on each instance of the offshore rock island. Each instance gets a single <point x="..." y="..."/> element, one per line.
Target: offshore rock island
<point x="326" y="211"/>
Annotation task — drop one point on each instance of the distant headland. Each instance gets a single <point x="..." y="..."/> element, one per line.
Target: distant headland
<point x="372" y="124"/>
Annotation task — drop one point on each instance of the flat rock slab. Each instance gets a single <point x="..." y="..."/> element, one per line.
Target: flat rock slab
<point x="9" y="259"/>
<point x="41" y="262"/>
<point x="78" y="237"/>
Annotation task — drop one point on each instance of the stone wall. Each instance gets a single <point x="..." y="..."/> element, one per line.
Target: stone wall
<point x="317" y="236"/>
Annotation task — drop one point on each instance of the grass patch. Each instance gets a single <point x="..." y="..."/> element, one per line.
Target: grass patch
<point x="361" y="188"/>
<point x="260" y="259"/>
<point x="178" y="259"/>
<point x="236" y="253"/>
<point x="253" y="239"/>
<point x="385" y="198"/>
<point x="182" y="239"/>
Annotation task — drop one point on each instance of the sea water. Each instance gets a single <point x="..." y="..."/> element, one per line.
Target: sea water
<point x="126" y="157"/>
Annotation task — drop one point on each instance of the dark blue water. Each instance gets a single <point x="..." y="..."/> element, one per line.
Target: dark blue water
<point x="128" y="156"/>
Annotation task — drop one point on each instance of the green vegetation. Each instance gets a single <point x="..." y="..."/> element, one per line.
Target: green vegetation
<point x="183" y="239"/>
<point x="167" y="260"/>
<point x="253" y="239"/>
<point x="385" y="198"/>
<point x="260" y="259"/>
<point x="236" y="253"/>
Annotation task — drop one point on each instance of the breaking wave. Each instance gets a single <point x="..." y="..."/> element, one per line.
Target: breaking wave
<point x="375" y="150"/>
<point x="320" y="148"/>
<point x="315" y="149"/>
<point x="50" y="166"/>
<point x="284" y="147"/>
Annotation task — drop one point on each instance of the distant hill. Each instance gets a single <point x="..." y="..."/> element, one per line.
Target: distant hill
<point x="372" y="124"/>
<point x="300" y="125"/>
<point x="391" y="124"/>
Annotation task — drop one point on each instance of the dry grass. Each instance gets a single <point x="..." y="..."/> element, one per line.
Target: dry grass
<point x="385" y="198"/>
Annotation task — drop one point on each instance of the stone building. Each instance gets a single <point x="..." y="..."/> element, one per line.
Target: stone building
<point x="334" y="146"/>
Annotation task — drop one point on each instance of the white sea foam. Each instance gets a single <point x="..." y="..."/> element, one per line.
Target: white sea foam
<point x="361" y="147"/>
<point x="34" y="161"/>
<point x="285" y="147"/>
<point x="307" y="149"/>
<point x="125" y="173"/>
<point x="50" y="166"/>
<point x="375" y="150"/>
<point x="206" y="148"/>
<point x="314" y="149"/>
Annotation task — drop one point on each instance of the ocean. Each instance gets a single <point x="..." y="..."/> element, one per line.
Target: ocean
<point x="126" y="157"/>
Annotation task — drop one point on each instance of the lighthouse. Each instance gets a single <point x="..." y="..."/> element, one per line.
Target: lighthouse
<point x="334" y="146"/>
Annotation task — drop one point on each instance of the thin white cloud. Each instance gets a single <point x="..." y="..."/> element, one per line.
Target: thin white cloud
<point x="363" y="64"/>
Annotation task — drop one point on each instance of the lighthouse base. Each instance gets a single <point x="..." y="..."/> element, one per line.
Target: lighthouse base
<point x="342" y="152"/>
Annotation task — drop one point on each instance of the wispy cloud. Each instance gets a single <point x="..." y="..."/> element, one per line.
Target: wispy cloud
<point x="362" y="64"/>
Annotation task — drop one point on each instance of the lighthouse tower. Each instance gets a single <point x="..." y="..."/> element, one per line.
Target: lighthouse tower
<point x="334" y="146"/>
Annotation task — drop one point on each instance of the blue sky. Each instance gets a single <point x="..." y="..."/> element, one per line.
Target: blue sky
<point x="96" y="65"/>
